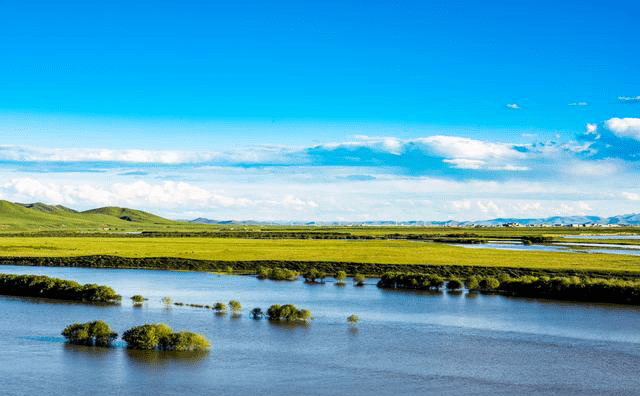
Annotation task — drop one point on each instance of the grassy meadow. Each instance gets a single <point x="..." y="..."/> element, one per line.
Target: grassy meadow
<point x="377" y="251"/>
<point x="40" y="230"/>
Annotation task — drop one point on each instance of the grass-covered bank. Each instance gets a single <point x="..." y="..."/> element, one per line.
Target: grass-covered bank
<point x="330" y="268"/>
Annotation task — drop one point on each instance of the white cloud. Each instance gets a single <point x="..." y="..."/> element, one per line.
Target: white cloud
<point x="592" y="129"/>
<point x="514" y="106"/>
<point x="260" y="154"/>
<point x="37" y="154"/>
<point x="624" y="127"/>
<point x="579" y="208"/>
<point x="461" y="147"/>
<point x="600" y="168"/>
<point x="631" y="196"/>
<point x="578" y="104"/>
<point x="629" y="99"/>
<point x="140" y="194"/>
<point x="464" y="163"/>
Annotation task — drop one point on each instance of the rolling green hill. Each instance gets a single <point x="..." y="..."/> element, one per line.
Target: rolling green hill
<point x="132" y="215"/>
<point x="37" y="217"/>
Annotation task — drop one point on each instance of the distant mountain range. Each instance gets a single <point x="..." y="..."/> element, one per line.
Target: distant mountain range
<point x="630" y="219"/>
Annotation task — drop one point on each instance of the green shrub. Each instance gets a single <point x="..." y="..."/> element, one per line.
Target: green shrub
<point x="235" y="306"/>
<point x="43" y="286"/>
<point x="454" y="284"/>
<point x="288" y="312"/>
<point x="340" y="276"/>
<point x="91" y="333"/>
<point x="160" y="336"/>
<point x="137" y="299"/>
<point x="277" y="273"/>
<point x="147" y="337"/>
<point x="185" y="341"/>
<point x="472" y="283"/>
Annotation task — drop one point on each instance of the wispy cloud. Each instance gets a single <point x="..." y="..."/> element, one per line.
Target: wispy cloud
<point x="578" y="104"/>
<point x="629" y="99"/>
<point x="514" y="106"/>
<point x="253" y="155"/>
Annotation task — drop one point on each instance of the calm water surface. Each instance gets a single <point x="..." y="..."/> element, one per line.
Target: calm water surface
<point x="567" y="247"/>
<point x="406" y="343"/>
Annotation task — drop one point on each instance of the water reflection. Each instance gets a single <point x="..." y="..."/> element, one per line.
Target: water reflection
<point x="561" y="247"/>
<point x="88" y="351"/>
<point x="163" y="358"/>
<point x="415" y="292"/>
<point x="288" y="325"/>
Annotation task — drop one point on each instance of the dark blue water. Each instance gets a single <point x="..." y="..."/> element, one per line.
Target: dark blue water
<point x="406" y="342"/>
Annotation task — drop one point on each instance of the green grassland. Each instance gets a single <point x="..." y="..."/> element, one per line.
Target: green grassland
<point x="381" y="252"/>
<point x="40" y="230"/>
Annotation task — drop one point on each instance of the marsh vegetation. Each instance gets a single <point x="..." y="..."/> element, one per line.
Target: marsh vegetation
<point x="45" y="287"/>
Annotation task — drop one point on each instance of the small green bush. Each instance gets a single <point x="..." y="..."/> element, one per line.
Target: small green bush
<point x="137" y="299"/>
<point x="288" y="312"/>
<point x="454" y="284"/>
<point x="161" y="336"/>
<point x="146" y="337"/>
<point x="235" y="306"/>
<point x="96" y="333"/>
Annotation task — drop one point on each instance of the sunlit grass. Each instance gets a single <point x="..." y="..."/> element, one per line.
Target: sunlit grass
<point x="386" y="252"/>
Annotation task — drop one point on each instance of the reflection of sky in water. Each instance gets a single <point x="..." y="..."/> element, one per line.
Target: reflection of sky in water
<point x="564" y="247"/>
<point x="601" y="236"/>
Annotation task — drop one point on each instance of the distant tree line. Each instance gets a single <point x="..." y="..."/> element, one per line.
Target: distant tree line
<point x="575" y="288"/>
<point x="46" y="287"/>
<point x="277" y="273"/>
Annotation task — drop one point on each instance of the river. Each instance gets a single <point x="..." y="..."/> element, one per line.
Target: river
<point x="406" y="342"/>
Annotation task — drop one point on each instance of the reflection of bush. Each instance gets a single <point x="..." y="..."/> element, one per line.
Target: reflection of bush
<point x="43" y="286"/>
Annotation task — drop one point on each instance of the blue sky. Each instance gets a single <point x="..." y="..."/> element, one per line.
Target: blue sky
<point x="335" y="110"/>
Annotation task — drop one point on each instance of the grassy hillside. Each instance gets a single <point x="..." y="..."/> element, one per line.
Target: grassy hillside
<point x="126" y="214"/>
<point x="15" y="217"/>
